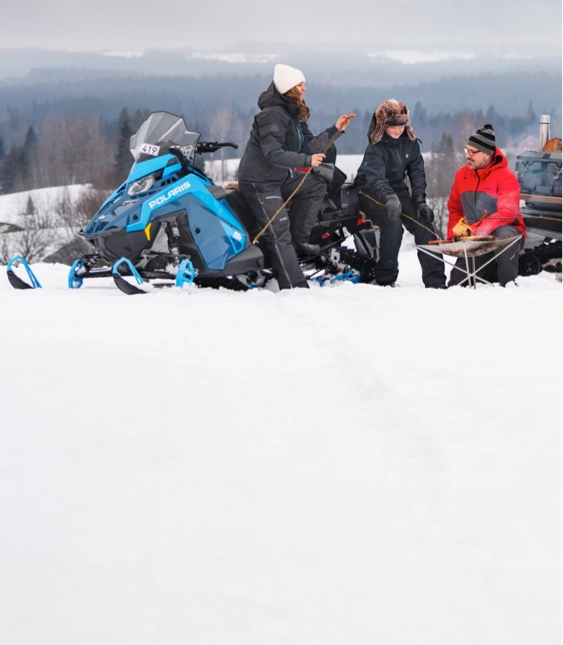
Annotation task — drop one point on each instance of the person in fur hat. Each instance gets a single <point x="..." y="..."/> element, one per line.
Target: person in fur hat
<point x="281" y="142"/>
<point x="392" y="154"/>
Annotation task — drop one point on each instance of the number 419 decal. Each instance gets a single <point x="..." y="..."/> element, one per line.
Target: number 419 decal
<point x="148" y="149"/>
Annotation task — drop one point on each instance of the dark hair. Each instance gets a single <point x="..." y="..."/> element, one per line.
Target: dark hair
<point x="293" y="95"/>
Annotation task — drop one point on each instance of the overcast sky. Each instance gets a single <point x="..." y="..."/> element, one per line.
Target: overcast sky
<point x="215" y="24"/>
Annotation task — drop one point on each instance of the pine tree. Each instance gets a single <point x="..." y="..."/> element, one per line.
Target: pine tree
<point x="30" y="143"/>
<point x="2" y="149"/>
<point x="446" y="144"/>
<point x="419" y="115"/>
<point x="530" y="114"/>
<point x="137" y="118"/>
<point x="14" y="170"/>
<point x="30" y="207"/>
<point x="123" y="159"/>
<point x="23" y="170"/>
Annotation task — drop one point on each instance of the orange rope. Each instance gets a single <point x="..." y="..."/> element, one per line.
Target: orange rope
<point x="402" y="214"/>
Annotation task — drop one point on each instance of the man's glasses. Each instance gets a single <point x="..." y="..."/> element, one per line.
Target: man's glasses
<point x="471" y="153"/>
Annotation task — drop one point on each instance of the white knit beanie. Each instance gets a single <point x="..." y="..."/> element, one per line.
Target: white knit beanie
<point x="286" y="77"/>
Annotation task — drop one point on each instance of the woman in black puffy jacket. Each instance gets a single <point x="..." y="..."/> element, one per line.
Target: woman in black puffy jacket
<point x="280" y="143"/>
<point x="393" y="153"/>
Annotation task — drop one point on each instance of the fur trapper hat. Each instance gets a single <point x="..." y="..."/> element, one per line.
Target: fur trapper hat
<point x="389" y="113"/>
<point x="286" y="77"/>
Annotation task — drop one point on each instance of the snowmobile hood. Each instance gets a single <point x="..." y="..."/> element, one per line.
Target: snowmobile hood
<point x="142" y="168"/>
<point x="272" y="98"/>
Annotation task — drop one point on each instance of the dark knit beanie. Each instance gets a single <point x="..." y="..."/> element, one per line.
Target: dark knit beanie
<point x="484" y="140"/>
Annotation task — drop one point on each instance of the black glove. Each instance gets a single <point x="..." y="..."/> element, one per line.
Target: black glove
<point x="424" y="211"/>
<point x="393" y="207"/>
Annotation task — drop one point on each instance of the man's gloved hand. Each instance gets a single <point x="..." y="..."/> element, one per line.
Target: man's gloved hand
<point x="393" y="207"/>
<point x="462" y="229"/>
<point x="423" y="211"/>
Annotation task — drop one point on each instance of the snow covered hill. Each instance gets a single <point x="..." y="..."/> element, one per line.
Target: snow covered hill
<point x="37" y="223"/>
<point x="14" y="205"/>
<point x="345" y="465"/>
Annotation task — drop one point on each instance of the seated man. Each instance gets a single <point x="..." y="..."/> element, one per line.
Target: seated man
<point x="485" y="200"/>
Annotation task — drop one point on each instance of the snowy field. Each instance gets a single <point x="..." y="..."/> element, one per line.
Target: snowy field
<point x="345" y="465"/>
<point x="349" y="165"/>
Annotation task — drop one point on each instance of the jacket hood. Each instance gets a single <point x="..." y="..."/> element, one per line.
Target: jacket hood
<point x="272" y="98"/>
<point x="499" y="161"/>
<point x="371" y="127"/>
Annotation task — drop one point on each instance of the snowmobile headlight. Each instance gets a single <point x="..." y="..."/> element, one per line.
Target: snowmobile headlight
<point x="141" y="185"/>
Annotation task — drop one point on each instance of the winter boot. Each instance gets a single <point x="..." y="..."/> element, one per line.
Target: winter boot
<point x="304" y="250"/>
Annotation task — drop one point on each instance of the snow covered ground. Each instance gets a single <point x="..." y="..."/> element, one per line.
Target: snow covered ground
<point x="345" y="465"/>
<point x="349" y="164"/>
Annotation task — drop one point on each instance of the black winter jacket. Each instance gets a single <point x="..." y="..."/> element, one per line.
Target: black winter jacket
<point x="279" y="140"/>
<point x="385" y="165"/>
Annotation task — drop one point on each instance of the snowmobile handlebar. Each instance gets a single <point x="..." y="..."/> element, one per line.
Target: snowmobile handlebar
<point x="205" y="146"/>
<point x="213" y="146"/>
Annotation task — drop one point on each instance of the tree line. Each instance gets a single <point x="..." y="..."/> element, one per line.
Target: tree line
<point x="81" y="148"/>
<point x="510" y="101"/>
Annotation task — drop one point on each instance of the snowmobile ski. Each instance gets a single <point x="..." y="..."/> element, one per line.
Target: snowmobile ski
<point x="121" y="283"/>
<point x="15" y="280"/>
<point x="186" y="273"/>
<point x="74" y="280"/>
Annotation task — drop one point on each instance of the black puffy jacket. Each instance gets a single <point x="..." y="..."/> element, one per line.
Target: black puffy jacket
<point x="386" y="164"/>
<point x="279" y="140"/>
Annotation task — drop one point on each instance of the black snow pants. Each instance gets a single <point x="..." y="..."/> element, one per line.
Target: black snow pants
<point x="503" y="269"/>
<point x="391" y="235"/>
<point x="264" y="199"/>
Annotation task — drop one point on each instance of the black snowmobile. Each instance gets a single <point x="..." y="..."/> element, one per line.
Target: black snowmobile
<point x="170" y="224"/>
<point x="539" y="174"/>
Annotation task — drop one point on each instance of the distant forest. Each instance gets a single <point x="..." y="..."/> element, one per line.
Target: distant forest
<point x="76" y="131"/>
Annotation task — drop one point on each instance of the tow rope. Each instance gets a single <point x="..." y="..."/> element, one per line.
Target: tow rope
<point x="259" y="235"/>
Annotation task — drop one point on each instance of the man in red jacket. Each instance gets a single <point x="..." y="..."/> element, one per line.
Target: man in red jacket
<point x="487" y="194"/>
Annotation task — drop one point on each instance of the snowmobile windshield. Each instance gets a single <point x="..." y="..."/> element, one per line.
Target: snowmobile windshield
<point x="160" y="132"/>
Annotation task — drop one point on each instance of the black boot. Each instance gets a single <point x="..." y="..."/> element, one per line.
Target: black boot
<point x="305" y="250"/>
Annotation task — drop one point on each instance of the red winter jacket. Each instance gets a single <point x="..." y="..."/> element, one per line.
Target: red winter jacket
<point x="494" y="189"/>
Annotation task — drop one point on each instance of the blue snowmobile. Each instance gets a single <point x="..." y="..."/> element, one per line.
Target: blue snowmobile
<point x="169" y="223"/>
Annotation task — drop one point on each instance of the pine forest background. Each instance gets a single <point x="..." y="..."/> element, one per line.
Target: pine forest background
<point x="63" y="127"/>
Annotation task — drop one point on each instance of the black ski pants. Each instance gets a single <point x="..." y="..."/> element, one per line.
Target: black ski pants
<point x="264" y="200"/>
<point x="391" y="235"/>
<point x="503" y="269"/>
